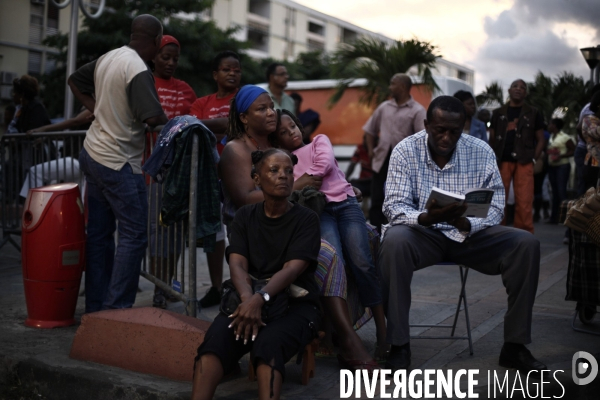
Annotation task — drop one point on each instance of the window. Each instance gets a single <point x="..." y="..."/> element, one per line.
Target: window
<point x="314" y="45"/>
<point x="34" y="63"/>
<point x="348" y="36"/>
<point x="260" y="7"/>
<point x="316" y="28"/>
<point x="258" y="37"/>
<point x="36" y="22"/>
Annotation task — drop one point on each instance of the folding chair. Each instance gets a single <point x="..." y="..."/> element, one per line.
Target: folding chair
<point x="462" y="298"/>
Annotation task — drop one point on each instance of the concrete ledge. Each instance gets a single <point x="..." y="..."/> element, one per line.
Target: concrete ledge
<point x="147" y="340"/>
<point x="30" y="378"/>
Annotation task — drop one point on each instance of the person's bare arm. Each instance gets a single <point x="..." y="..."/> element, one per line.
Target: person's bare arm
<point x="350" y="169"/>
<point x="234" y="170"/>
<point x="80" y="119"/>
<point x="217" y="125"/>
<point x="157" y="120"/>
<point x="450" y="214"/>
<point x="308" y="180"/>
<point x="247" y="317"/>
<point x="86" y="99"/>
<point x="370" y="141"/>
<point x="570" y="149"/>
<point x="541" y="143"/>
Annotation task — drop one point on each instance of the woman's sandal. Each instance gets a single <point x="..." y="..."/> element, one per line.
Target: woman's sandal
<point x="354" y="365"/>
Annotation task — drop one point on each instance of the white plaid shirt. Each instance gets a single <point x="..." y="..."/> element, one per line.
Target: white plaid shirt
<point x="412" y="174"/>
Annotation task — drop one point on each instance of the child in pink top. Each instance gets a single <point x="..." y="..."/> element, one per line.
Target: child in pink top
<point x="342" y="222"/>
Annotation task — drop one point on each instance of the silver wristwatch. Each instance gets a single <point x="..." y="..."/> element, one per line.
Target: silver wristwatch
<point x="264" y="295"/>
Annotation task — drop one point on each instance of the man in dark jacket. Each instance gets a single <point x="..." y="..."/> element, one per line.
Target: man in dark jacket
<point x="517" y="138"/>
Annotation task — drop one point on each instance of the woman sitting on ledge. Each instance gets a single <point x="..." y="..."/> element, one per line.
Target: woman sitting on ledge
<point x="276" y="240"/>
<point x="251" y="119"/>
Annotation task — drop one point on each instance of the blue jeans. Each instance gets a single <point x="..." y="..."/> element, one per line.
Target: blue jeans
<point x="111" y="279"/>
<point x="559" y="177"/>
<point x="343" y="225"/>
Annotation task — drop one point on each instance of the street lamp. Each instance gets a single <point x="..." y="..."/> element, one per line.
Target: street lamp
<point x="592" y="58"/>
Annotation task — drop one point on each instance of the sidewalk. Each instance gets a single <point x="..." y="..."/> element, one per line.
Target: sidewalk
<point x="36" y="361"/>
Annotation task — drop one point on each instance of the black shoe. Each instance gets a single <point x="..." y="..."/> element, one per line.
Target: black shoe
<point x="159" y="300"/>
<point x="518" y="357"/>
<point x="399" y="357"/>
<point x="211" y="298"/>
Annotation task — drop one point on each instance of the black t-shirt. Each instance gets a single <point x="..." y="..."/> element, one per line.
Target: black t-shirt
<point x="268" y="243"/>
<point x="512" y="115"/>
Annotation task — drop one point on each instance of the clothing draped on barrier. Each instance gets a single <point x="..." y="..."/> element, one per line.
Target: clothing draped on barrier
<point x="171" y="162"/>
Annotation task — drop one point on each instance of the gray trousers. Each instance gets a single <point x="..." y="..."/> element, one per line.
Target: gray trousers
<point x="512" y="253"/>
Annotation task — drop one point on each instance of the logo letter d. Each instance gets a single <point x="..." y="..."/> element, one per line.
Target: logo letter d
<point x="590" y="363"/>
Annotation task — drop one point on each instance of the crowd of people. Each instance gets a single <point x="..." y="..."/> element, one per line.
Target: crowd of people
<point x="298" y="269"/>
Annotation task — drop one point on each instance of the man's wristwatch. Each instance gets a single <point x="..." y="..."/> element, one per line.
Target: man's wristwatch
<point x="264" y="295"/>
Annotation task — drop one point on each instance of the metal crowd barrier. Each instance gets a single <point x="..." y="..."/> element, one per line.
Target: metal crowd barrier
<point x="29" y="161"/>
<point x="39" y="159"/>
<point x="159" y="267"/>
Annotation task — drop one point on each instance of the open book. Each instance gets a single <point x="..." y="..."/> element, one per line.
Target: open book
<point x="478" y="200"/>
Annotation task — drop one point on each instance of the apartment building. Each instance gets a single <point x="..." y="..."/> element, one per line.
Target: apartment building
<point x="282" y="29"/>
<point x="23" y="26"/>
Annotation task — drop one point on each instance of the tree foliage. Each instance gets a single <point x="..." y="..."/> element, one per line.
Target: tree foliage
<point x="492" y="96"/>
<point x="377" y="61"/>
<point x="200" y="41"/>
<point x="561" y="97"/>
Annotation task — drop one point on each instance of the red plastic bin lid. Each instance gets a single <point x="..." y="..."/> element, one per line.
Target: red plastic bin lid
<point x="60" y="187"/>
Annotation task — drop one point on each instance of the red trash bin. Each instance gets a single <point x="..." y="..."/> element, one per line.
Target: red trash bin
<point x="53" y="254"/>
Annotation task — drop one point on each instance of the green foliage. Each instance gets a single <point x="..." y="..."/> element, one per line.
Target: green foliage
<point x="493" y="95"/>
<point x="540" y="95"/>
<point x="571" y="93"/>
<point x="200" y="42"/>
<point x="377" y="61"/>
<point x="561" y="97"/>
<point x="312" y="65"/>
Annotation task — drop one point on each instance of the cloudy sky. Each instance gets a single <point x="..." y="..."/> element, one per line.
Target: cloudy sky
<point x="500" y="39"/>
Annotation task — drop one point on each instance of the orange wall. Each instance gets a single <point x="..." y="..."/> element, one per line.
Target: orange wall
<point x="343" y="123"/>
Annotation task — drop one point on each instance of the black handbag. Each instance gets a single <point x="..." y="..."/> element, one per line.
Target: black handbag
<point x="276" y="308"/>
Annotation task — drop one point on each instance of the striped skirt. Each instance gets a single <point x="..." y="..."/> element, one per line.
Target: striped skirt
<point x="333" y="280"/>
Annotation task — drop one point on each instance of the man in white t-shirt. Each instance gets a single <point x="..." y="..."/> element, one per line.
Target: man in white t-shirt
<point x="119" y="89"/>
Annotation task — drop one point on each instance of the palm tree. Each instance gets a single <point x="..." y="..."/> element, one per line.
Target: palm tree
<point x="571" y="93"/>
<point x="561" y="97"/>
<point x="376" y="61"/>
<point x="540" y="94"/>
<point x="492" y="96"/>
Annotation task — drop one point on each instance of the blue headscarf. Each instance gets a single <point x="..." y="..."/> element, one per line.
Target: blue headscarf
<point x="246" y="96"/>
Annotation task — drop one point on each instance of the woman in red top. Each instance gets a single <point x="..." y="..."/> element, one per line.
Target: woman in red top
<point x="227" y="73"/>
<point x="176" y="98"/>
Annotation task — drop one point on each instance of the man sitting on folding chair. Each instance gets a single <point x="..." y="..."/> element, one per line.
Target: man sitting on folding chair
<point x="417" y="237"/>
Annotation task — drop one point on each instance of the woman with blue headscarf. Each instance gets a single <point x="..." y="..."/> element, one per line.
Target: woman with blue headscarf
<point x="252" y="118"/>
